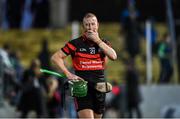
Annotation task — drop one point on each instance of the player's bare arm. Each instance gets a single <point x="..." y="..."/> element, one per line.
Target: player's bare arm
<point x="110" y="52"/>
<point x="58" y="59"/>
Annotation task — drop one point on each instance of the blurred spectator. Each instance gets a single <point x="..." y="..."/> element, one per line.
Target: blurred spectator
<point x="1" y="11"/>
<point x="44" y="58"/>
<point x="32" y="98"/>
<point x="133" y="92"/>
<point x="132" y="31"/>
<point x="165" y="53"/>
<point x="170" y="111"/>
<point x="54" y="98"/>
<point x="16" y="63"/>
<point x="9" y="76"/>
<point x="14" y="9"/>
<point x="27" y="16"/>
<point x="118" y="100"/>
<point x="4" y="21"/>
<point x="44" y="55"/>
<point x="1" y="68"/>
<point x="176" y="14"/>
<point x="153" y="35"/>
<point x="4" y="52"/>
<point x="1" y="81"/>
<point x="71" y="110"/>
<point x="40" y="9"/>
<point x="178" y="57"/>
<point x="18" y="68"/>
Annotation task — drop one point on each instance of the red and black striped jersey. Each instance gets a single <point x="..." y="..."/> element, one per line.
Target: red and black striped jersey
<point x="85" y="54"/>
<point x="88" y="59"/>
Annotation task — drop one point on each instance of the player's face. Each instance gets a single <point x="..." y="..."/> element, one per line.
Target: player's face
<point x="90" y="24"/>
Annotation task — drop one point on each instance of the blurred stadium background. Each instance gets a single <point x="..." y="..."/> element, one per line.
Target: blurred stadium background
<point x="26" y="23"/>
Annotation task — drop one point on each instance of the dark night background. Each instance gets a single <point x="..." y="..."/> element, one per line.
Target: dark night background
<point x="110" y="10"/>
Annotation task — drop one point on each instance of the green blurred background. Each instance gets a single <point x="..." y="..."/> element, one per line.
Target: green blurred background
<point x="29" y="45"/>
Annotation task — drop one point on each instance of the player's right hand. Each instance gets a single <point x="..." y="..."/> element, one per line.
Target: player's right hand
<point x="73" y="77"/>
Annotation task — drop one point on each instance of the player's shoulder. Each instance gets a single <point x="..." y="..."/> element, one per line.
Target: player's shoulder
<point x="76" y="41"/>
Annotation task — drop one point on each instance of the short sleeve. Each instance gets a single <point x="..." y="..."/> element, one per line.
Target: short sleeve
<point x="69" y="48"/>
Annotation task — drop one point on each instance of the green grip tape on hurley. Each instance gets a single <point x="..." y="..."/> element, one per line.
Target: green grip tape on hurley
<point x="78" y="88"/>
<point x="52" y="73"/>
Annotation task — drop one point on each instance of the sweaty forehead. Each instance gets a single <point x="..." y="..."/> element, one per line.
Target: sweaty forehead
<point x="90" y="19"/>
